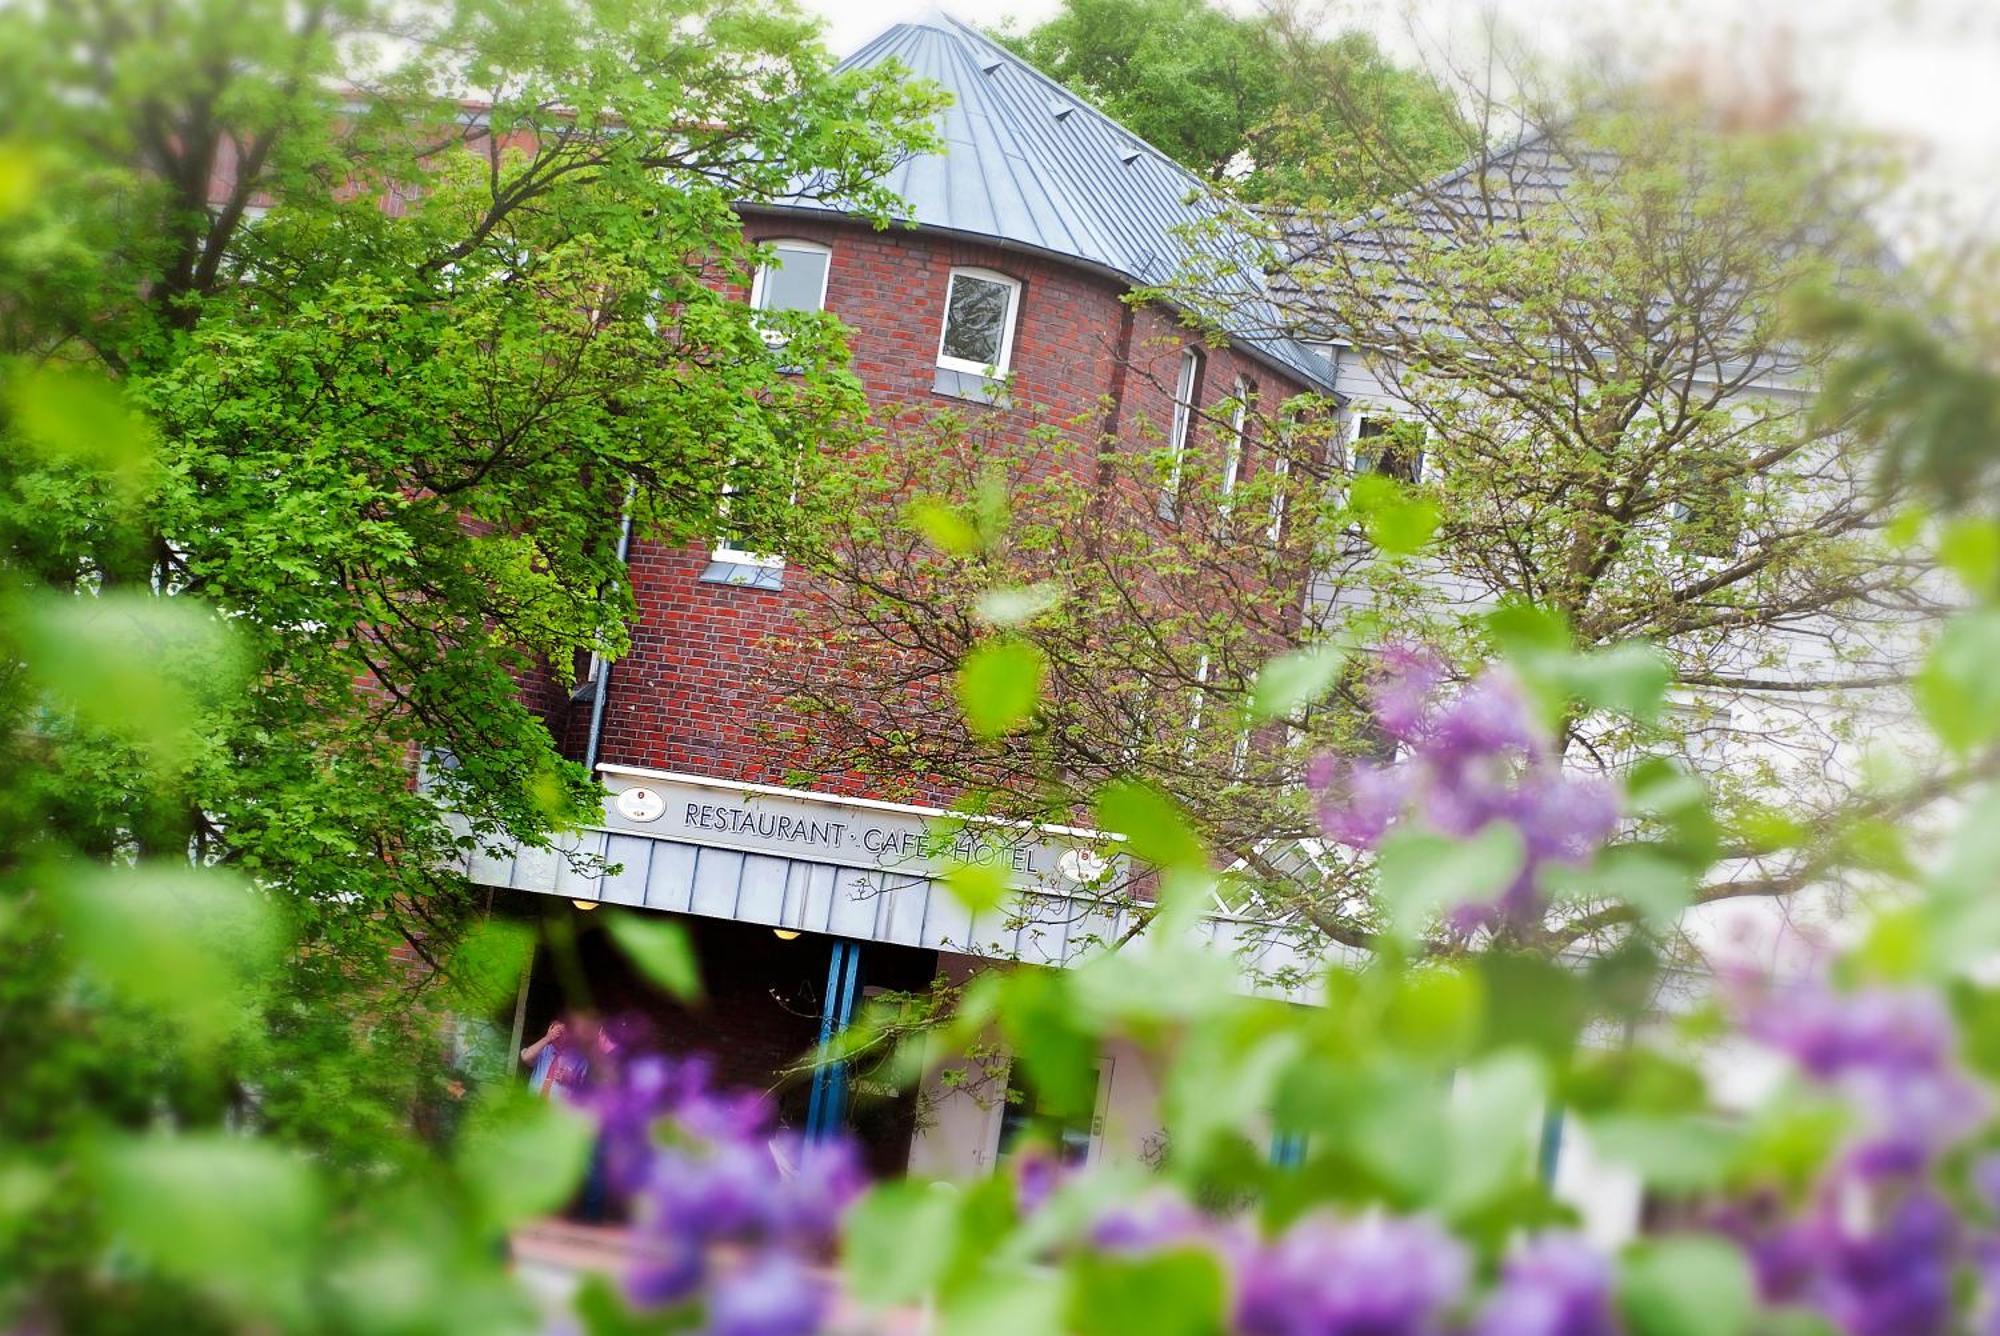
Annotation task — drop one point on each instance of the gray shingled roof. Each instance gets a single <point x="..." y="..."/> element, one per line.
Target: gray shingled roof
<point x="1029" y="164"/>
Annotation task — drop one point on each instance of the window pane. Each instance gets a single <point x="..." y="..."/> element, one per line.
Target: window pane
<point x="975" y="320"/>
<point x="795" y="280"/>
<point x="1395" y="448"/>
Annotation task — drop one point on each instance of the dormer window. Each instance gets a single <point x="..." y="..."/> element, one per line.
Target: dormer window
<point x="979" y="310"/>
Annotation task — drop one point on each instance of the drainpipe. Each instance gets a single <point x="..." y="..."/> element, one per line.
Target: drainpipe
<point x="600" y="667"/>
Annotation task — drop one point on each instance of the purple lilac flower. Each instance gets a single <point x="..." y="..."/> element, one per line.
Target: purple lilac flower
<point x="1891" y="1279"/>
<point x="1985" y="1251"/>
<point x="1468" y="763"/>
<point x="1373" y="1276"/>
<point x="1400" y="691"/>
<point x="1890" y="1052"/>
<point x="1158" y="1219"/>
<point x="775" y="1295"/>
<point x="1037" y="1174"/>
<point x="705" y="1168"/>
<point x="1555" y="1284"/>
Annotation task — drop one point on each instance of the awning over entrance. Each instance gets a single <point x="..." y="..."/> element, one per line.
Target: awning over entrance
<point x="853" y="868"/>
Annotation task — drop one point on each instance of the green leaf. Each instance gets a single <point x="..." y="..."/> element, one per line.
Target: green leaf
<point x="20" y="178"/>
<point x="1686" y="1285"/>
<point x="150" y="671"/>
<point x="182" y="941"/>
<point x="1043" y="1026"/>
<point x="1971" y="548"/>
<point x="1957" y="688"/>
<point x="1629" y="679"/>
<point x="978" y="886"/>
<point x="998" y="685"/>
<point x="1519" y="627"/>
<point x="1487" y="1145"/>
<point x="1295" y="679"/>
<point x="489" y="962"/>
<point x="522" y="1155"/>
<point x="1154" y="828"/>
<point x="1395" y="521"/>
<point x="659" y="946"/>
<point x="898" y="1241"/>
<point x="947" y="529"/>
<point x="80" y="418"/>
<point x="1419" y="873"/>
<point x="1670" y="1151"/>
<point x="1016" y="604"/>
<point x="1006" y="1301"/>
<point x="232" y="1217"/>
<point x="1173" y="1293"/>
<point x="1642" y="876"/>
<point x="603" y="1310"/>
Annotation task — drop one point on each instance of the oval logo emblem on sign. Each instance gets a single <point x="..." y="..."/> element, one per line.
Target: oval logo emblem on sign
<point x="641" y="804"/>
<point x="1081" y="865"/>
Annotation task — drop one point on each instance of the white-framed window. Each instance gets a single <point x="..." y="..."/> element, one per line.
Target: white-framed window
<point x="1387" y="444"/>
<point x="1075" y="1139"/>
<point x="1281" y="472"/>
<point x="1187" y="385"/>
<point x="1197" y="705"/>
<point x="793" y="279"/>
<point x="731" y="544"/>
<point x="979" y="311"/>
<point x="1239" y="429"/>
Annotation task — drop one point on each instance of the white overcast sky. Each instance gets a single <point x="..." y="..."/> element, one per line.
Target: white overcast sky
<point x="1927" y="71"/>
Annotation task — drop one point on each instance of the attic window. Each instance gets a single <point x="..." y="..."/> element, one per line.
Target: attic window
<point x="1061" y="110"/>
<point x="991" y="66"/>
<point x="1129" y="156"/>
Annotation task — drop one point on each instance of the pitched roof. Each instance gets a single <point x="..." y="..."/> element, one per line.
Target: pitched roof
<point x="1028" y="164"/>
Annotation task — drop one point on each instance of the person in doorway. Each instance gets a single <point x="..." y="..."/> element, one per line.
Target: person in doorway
<point x="559" y="1062"/>
<point x="562" y="1063"/>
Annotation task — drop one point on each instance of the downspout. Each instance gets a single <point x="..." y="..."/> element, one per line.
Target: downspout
<point x="600" y="667"/>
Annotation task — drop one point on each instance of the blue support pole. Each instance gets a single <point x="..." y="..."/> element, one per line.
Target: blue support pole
<point x="1551" y="1148"/>
<point x="827" y="1111"/>
<point x="1288" y="1149"/>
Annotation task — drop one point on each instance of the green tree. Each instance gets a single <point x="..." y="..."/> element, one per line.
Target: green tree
<point x="1267" y="100"/>
<point x="351" y="328"/>
<point x="1591" y="398"/>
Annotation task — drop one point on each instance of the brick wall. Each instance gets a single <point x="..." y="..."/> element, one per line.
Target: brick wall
<point x="696" y="692"/>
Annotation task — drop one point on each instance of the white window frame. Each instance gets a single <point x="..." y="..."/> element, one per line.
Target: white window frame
<point x="777" y="244"/>
<point x="999" y="368"/>
<point x="1187" y="384"/>
<point x="723" y="552"/>
<point x="1197" y="706"/>
<point x="1099" y="1114"/>
<point x="1232" y="459"/>
<point x="1362" y="414"/>
<point x="1281" y="470"/>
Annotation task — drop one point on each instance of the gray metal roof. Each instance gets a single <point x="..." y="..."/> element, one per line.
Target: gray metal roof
<point x="1029" y="164"/>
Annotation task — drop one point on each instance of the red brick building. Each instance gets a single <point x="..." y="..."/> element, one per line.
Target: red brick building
<point x="1004" y="301"/>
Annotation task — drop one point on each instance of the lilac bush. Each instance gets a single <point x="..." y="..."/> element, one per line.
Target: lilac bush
<point x="1327" y="1276"/>
<point x="1877" y="1246"/>
<point x="736" y="1215"/>
<point x="1553" y="1284"/>
<point x="1465" y="763"/>
<point x="732" y="1212"/>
